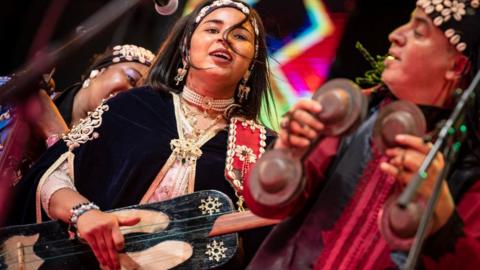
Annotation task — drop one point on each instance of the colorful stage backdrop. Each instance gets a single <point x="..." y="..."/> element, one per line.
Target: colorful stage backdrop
<point x="303" y="38"/>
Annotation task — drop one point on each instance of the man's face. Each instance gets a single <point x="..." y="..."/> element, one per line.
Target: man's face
<point x="420" y="57"/>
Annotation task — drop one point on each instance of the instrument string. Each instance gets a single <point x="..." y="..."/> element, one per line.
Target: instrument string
<point x="86" y="249"/>
<point x="126" y="230"/>
<point x="129" y="239"/>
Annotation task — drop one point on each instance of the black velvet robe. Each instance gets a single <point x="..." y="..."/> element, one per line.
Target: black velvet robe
<point x="116" y="169"/>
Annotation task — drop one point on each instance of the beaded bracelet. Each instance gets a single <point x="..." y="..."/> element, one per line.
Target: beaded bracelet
<point x="79" y="210"/>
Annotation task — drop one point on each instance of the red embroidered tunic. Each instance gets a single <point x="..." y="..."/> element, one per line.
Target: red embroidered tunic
<point x="338" y="228"/>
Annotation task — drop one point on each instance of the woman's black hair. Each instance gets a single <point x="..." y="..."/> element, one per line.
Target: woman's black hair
<point x="175" y="50"/>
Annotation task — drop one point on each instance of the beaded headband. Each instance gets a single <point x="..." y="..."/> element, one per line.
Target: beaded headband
<point x="127" y="53"/>
<point x="219" y="4"/>
<point x="226" y="3"/>
<point x="119" y="54"/>
<point x="458" y="19"/>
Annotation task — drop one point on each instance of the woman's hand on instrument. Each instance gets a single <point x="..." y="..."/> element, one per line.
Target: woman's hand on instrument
<point x="403" y="165"/>
<point x="102" y="232"/>
<point x="299" y="127"/>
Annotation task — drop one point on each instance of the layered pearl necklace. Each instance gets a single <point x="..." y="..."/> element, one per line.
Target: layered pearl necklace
<point x="193" y="118"/>
<point x="206" y="103"/>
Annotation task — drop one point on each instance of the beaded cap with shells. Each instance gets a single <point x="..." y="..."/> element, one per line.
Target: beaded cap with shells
<point x="118" y="54"/>
<point x="458" y="19"/>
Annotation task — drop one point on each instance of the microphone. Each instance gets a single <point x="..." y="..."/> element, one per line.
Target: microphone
<point x="277" y="177"/>
<point x="165" y="7"/>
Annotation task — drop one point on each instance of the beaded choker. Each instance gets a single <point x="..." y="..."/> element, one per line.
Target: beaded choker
<point x="206" y="103"/>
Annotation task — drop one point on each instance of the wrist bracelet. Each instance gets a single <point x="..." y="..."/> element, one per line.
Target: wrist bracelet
<point x="79" y="210"/>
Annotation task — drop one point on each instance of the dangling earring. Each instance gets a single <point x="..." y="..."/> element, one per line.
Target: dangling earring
<point x="243" y="89"/>
<point x="181" y="74"/>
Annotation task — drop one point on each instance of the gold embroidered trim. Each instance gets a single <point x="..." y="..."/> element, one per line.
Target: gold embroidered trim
<point x="185" y="150"/>
<point x="182" y="149"/>
<point x="85" y="130"/>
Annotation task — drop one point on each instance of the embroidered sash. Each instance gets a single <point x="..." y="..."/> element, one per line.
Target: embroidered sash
<point x="246" y="144"/>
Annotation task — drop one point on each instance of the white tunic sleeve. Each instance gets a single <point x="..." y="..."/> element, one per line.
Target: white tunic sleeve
<point x="59" y="179"/>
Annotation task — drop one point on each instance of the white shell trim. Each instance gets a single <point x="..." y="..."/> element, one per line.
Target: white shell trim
<point x="448" y="9"/>
<point x="232" y="147"/>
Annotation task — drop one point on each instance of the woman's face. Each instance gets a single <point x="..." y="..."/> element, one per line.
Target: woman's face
<point x="419" y="62"/>
<point x="115" y="78"/>
<point x="212" y="56"/>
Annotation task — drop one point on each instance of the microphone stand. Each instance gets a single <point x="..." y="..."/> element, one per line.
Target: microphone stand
<point x="25" y="79"/>
<point x="426" y="219"/>
<point x="418" y="178"/>
<point x="445" y="136"/>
